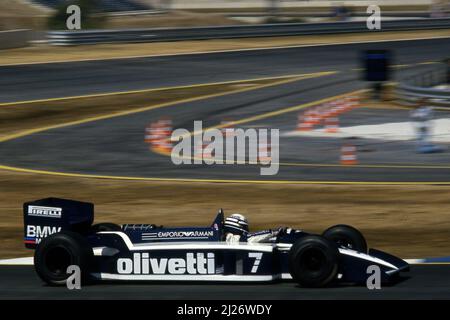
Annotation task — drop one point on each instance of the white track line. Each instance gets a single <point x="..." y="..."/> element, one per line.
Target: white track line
<point x="17" y="262"/>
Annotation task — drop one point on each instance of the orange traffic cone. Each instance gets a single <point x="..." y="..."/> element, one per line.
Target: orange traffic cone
<point x="327" y="110"/>
<point x="334" y="109"/>
<point x="153" y="135"/>
<point x="341" y="105"/>
<point x="332" y="124"/>
<point x="165" y="125"/>
<point x="323" y="111"/>
<point x="304" y="122"/>
<point x="166" y="145"/>
<point x="264" y="152"/>
<point x="314" y="116"/>
<point x="346" y="104"/>
<point x="158" y="135"/>
<point x="348" y="155"/>
<point x="149" y="133"/>
<point x="353" y="102"/>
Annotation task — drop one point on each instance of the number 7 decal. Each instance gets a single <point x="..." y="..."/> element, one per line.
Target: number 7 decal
<point x="258" y="257"/>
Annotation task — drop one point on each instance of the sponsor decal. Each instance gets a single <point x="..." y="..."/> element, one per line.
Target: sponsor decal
<point x="178" y="234"/>
<point x="139" y="227"/>
<point x="50" y="212"/>
<point x="35" y="234"/>
<point x="142" y="263"/>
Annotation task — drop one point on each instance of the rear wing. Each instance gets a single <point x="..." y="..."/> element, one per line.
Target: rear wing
<point x="50" y="215"/>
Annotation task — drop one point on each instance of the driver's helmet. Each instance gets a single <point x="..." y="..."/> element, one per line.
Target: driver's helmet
<point x="236" y="224"/>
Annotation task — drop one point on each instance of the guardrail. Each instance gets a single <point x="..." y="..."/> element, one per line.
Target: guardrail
<point x="424" y="86"/>
<point x="237" y="31"/>
<point x="429" y="77"/>
<point x="410" y="94"/>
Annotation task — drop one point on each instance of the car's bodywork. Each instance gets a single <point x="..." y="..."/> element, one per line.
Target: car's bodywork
<point x="149" y="252"/>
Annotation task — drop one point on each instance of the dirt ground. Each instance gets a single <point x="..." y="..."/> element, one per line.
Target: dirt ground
<point x="16" y="14"/>
<point x="41" y="54"/>
<point x="410" y="221"/>
<point x="178" y="18"/>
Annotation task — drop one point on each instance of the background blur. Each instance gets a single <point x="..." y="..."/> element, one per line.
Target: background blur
<point x="44" y="14"/>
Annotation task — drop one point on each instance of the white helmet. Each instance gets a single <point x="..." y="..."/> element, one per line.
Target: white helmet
<point x="236" y="224"/>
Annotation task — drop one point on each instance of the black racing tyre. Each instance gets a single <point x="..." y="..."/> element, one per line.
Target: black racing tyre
<point x="313" y="261"/>
<point x="346" y="236"/>
<point x="106" y="226"/>
<point x="57" y="252"/>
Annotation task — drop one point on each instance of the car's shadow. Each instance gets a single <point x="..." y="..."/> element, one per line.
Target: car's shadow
<point x="394" y="281"/>
<point x="397" y="280"/>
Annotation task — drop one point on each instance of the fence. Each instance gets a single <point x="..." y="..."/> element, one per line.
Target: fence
<point x="238" y="31"/>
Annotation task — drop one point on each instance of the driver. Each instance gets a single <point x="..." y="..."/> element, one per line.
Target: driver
<point x="236" y="230"/>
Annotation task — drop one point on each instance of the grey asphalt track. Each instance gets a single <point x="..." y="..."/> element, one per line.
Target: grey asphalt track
<point x="422" y="282"/>
<point x="115" y="146"/>
<point x="76" y="78"/>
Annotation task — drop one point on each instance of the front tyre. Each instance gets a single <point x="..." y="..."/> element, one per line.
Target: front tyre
<point x="57" y="252"/>
<point x="313" y="261"/>
<point x="346" y="236"/>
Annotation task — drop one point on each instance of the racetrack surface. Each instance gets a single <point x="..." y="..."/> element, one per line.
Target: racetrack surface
<point x="115" y="147"/>
<point x="27" y="82"/>
<point x="422" y="282"/>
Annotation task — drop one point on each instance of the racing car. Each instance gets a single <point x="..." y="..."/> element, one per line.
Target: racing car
<point x="62" y="234"/>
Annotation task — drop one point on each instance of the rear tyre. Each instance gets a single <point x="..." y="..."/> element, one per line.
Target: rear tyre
<point x="313" y="261"/>
<point x="57" y="252"/>
<point x="346" y="236"/>
<point x="105" y="226"/>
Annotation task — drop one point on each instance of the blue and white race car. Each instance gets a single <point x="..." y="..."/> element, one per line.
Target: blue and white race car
<point x="62" y="234"/>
